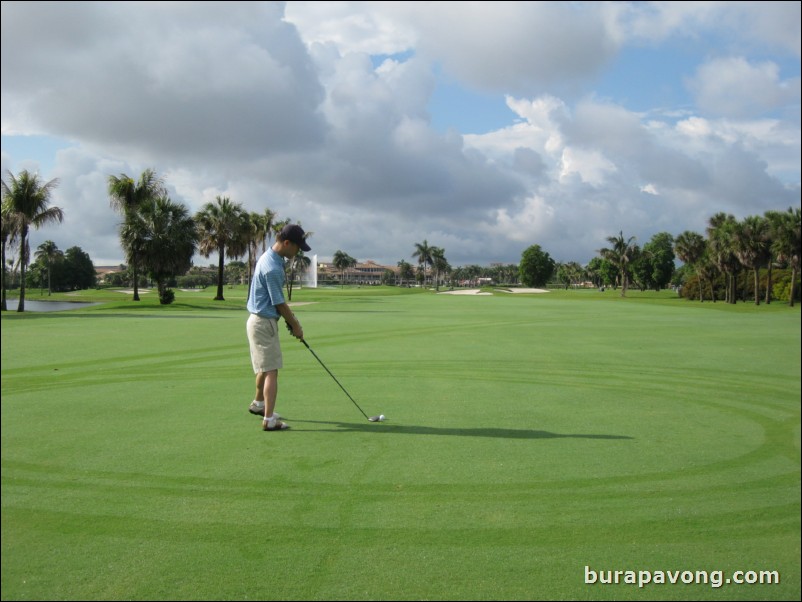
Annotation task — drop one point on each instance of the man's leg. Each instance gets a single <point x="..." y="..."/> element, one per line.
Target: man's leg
<point x="260" y="387"/>
<point x="271" y="421"/>
<point x="269" y="391"/>
<point x="263" y="388"/>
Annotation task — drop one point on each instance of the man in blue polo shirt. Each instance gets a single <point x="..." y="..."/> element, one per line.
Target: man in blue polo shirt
<point x="266" y="305"/>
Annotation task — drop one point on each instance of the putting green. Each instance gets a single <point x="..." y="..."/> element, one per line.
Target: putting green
<point x="527" y="438"/>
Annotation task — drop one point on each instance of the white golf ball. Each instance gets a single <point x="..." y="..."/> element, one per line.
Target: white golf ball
<point x="381" y="417"/>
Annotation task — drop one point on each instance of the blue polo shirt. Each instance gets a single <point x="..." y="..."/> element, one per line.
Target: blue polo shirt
<point x="267" y="288"/>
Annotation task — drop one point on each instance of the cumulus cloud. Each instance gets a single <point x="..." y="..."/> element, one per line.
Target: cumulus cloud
<point x="734" y="87"/>
<point x="523" y="48"/>
<point x="744" y="25"/>
<point x="165" y="81"/>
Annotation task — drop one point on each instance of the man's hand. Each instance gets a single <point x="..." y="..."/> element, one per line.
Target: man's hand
<point x="297" y="332"/>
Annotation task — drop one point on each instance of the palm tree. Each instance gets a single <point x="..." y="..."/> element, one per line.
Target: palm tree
<point x="751" y="246"/>
<point x="473" y="272"/>
<point x="708" y="272"/>
<point x="222" y="227"/>
<point x="720" y="235"/>
<point x="775" y="221"/>
<point x="49" y="252"/>
<point x="787" y="244"/>
<point x="569" y="273"/>
<point x="405" y="272"/>
<point x="300" y="264"/>
<point x="342" y="261"/>
<point x="9" y="231"/>
<point x="268" y="218"/>
<point x="278" y="226"/>
<point x="289" y="268"/>
<point x="261" y="227"/>
<point x="256" y="234"/>
<point x="690" y="247"/>
<point x="126" y="196"/>
<point x="165" y="236"/>
<point x="27" y="203"/>
<point x="424" y="254"/>
<point x="439" y="264"/>
<point x="621" y="255"/>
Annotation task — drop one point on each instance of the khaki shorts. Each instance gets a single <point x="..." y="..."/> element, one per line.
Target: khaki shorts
<point x="264" y="344"/>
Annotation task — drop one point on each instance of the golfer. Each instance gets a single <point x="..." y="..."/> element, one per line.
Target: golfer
<point x="266" y="305"/>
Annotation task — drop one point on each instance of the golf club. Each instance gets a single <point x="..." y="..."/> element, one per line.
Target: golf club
<point x="379" y="418"/>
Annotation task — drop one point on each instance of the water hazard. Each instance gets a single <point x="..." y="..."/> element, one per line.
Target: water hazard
<point x="13" y="304"/>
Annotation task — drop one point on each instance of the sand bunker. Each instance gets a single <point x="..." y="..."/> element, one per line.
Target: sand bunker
<point x="476" y="291"/>
<point x="463" y="291"/>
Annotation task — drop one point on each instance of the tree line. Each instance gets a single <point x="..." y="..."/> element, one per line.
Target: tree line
<point x="55" y="270"/>
<point x="752" y="244"/>
<point x="160" y="237"/>
<point x="25" y="204"/>
<point x="712" y="263"/>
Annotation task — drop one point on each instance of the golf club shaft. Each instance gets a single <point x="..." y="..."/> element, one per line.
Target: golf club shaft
<point x="335" y="378"/>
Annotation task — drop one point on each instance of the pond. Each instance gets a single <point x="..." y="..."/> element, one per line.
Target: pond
<point x="30" y="305"/>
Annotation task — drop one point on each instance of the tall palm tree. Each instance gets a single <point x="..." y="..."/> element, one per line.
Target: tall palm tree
<point x="278" y="226"/>
<point x="9" y="233"/>
<point x="775" y="221"/>
<point x="268" y="219"/>
<point x="133" y="231"/>
<point x="439" y="264"/>
<point x="787" y="244"/>
<point x="708" y="272"/>
<point x="622" y="253"/>
<point x="342" y="261"/>
<point x="720" y="236"/>
<point x="690" y="247"/>
<point x="126" y="196"/>
<point x="299" y="259"/>
<point x="256" y="234"/>
<point x="569" y="273"/>
<point x="424" y="254"/>
<point x="222" y="226"/>
<point x="165" y="236"/>
<point x="49" y="252"/>
<point x="27" y="203"/>
<point x="751" y="246"/>
<point x="259" y="231"/>
<point x="299" y="264"/>
<point x="405" y="272"/>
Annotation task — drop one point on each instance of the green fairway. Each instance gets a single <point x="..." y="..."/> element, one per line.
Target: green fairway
<point x="532" y="442"/>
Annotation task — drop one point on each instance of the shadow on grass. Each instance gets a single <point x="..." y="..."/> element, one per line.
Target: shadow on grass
<point x="500" y="433"/>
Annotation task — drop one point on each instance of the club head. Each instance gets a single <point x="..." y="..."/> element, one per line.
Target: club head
<point x="379" y="418"/>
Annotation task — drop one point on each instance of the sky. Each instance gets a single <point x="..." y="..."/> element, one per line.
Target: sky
<point x="481" y="128"/>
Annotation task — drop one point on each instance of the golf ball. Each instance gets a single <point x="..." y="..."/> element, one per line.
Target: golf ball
<point x="381" y="417"/>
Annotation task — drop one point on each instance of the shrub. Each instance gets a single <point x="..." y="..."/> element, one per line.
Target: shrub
<point x="167" y="297"/>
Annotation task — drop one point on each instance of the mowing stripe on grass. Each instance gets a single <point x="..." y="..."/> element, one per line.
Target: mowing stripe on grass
<point x="527" y="437"/>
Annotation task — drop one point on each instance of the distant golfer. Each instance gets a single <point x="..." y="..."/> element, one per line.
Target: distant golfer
<point x="266" y="305"/>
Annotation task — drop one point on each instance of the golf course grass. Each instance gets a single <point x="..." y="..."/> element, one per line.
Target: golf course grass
<point x="533" y="443"/>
